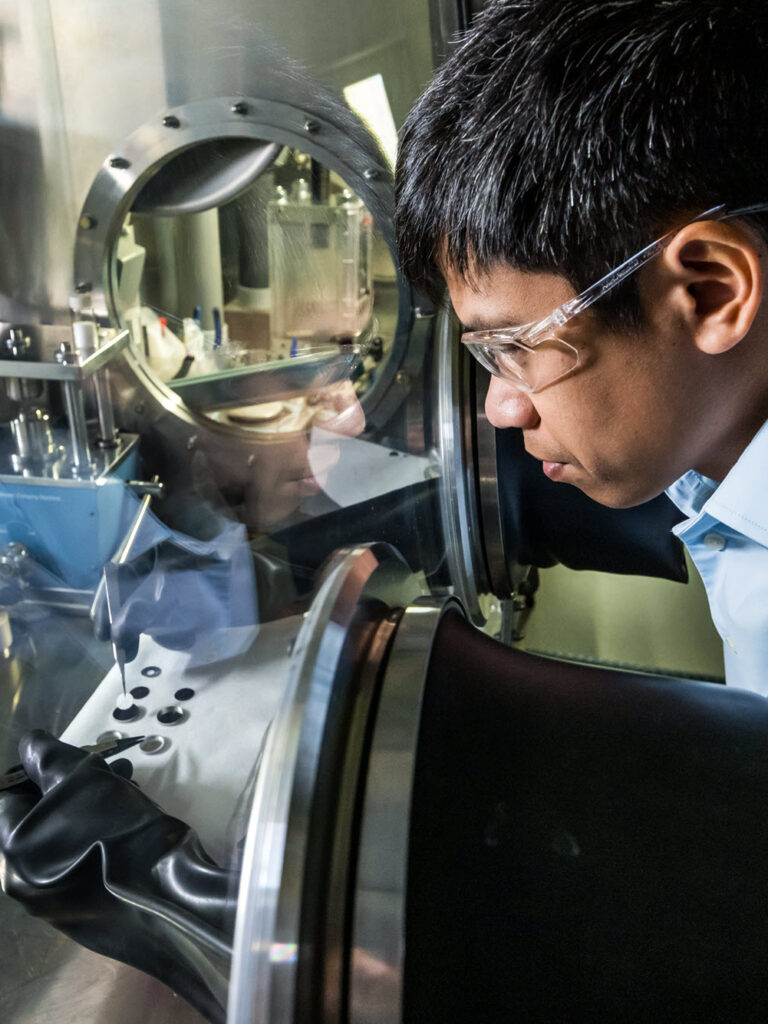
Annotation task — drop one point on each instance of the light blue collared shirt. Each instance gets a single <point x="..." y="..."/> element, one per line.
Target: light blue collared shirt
<point x="727" y="537"/>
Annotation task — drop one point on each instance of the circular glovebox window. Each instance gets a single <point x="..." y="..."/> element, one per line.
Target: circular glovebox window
<point x="240" y="234"/>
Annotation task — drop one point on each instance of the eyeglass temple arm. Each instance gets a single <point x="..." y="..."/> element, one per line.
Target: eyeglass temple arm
<point x="615" y="276"/>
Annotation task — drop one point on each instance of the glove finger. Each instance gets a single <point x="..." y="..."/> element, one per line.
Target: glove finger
<point x="122" y="767"/>
<point x="15" y="804"/>
<point x="47" y="760"/>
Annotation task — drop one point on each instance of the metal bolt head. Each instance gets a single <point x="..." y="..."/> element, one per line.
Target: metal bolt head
<point x="139" y="408"/>
<point x="311" y="127"/>
<point x="240" y="108"/>
<point x="17" y="343"/>
<point x="119" y="163"/>
<point x="171" y="121"/>
<point x="87" y="223"/>
<point x="14" y="559"/>
<point x="371" y="173"/>
<point x="403" y="380"/>
<point x="64" y="353"/>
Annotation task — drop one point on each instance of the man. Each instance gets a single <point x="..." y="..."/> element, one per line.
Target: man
<point x="560" y="140"/>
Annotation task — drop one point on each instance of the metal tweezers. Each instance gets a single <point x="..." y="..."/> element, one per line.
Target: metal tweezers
<point x="108" y="748"/>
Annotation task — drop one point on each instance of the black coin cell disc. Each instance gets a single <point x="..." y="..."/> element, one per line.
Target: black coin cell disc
<point x="126" y="714"/>
<point x="171" y="715"/>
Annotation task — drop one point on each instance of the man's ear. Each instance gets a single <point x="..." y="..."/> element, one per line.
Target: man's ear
<point x="717" y="282"/>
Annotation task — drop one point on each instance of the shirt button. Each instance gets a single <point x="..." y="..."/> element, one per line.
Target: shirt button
<point x="714" y="541"/>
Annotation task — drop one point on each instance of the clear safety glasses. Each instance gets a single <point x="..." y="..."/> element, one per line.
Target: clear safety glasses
<point x="533" y="356"/>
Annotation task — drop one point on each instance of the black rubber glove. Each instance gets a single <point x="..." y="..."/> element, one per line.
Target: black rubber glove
<point x="84" y="849"/>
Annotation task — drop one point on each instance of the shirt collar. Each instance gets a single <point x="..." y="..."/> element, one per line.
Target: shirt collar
<point x="740" y="501"/>
<point x="691" y="491"/>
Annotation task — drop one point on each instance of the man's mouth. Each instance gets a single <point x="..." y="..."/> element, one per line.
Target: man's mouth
<point x="309" y="485"/>
<point x="553" y="470"/>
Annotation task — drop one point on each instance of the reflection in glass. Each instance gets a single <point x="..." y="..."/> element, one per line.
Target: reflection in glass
<point x="279" y="470"/>
<point x="271" y="315"/>
<point x="320" y="273"/>
<point x="279" y="306"/>
<point x="292" y="266"/>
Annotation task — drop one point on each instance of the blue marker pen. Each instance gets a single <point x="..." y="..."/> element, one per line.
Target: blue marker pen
<point x="216" y="328"/>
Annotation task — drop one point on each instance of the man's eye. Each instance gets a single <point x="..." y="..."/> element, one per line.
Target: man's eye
<point x="511" y="363"/>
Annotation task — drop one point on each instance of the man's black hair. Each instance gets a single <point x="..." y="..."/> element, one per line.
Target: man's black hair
<point x="564" y="135"/>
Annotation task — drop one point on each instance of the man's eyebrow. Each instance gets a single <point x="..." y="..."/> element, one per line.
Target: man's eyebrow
<point x="495" y="324"/>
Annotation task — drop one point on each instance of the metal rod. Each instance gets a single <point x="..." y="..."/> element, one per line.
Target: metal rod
<point x="78" y="428"/>
<point x="107" y="429"/>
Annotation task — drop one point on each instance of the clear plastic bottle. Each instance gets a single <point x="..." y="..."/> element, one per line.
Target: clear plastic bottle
<point x="85" y="333"/>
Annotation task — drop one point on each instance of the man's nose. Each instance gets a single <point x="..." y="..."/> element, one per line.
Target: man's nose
<point x="506" y="406"/>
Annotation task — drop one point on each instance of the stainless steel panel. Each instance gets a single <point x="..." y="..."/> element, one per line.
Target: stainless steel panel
<point x="75" y="371"/>
<point x="81" y="74"/>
